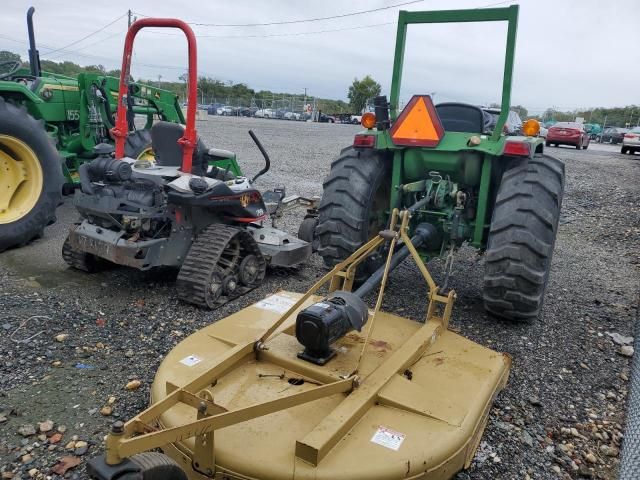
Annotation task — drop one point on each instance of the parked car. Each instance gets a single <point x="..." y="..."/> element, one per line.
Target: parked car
<point x="613" y="135"/>
<point x="513" y="125"/>
<point x="324" y="118"/>
<point x="631" y="141"/>
<point x="225" y="110"/>
<point x="543" y="131"/>
<point x="265" y="113"/>
<point x="568" y="133"/>
<point x="292" y="116"/>
<point x="356" y="119"/>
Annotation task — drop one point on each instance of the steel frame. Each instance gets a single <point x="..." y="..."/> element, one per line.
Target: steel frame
<point x="508" y="14"/>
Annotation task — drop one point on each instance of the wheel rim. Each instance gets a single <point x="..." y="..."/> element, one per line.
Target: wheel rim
<point x="146" y="154"/>
<point x="251" y="270"/>
<point x="21" y="179"/>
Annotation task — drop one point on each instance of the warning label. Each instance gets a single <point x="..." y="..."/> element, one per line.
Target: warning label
<point x="388" y="438"/>
<point x="191" y="360"/>
<point x="276" y="303"/>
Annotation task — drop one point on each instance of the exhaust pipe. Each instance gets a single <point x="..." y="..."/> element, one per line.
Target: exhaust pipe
<point x="34" y="55"/>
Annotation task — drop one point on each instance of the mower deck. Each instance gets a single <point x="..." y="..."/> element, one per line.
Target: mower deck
<point x="425" y="423"/>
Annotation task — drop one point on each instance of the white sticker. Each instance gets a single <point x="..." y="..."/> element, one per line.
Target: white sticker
<point x="191" y="360"/>
<point x="276" y="303"/>
<point x="388" y="438"/>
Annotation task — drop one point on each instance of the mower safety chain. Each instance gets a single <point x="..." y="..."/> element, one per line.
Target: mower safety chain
<point x="208" y="263"/>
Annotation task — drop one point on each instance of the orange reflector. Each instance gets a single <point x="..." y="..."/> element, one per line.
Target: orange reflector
<point x="368" y="120"/>
<point x="418" y="124"/>
<point x="531" y="127"/>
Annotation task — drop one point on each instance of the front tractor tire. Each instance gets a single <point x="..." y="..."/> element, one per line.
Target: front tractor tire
<point x="354" y="206"/>
<point x="522" y="237"/>
<point x="138" y="145"/>
<point x="30" y="177"/>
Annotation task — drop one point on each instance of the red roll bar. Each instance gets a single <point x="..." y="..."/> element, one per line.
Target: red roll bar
<point x="121" y="130"/>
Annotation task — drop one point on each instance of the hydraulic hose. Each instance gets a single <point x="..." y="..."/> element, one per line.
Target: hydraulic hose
<point x="630" y="459"/>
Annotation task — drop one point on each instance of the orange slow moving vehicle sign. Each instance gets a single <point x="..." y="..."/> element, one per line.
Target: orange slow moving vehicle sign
<point x="418" y="124"/>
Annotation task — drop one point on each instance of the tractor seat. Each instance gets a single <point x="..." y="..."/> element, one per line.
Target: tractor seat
<point x="219" y="153"/>
<point x="460" y="117"/>
<point x="167" y="150"/>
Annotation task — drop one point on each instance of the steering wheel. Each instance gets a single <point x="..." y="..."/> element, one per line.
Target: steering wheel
<point x="14" y="67"/>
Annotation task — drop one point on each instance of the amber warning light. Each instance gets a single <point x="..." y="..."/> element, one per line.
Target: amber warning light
<point x="418" y="124"/>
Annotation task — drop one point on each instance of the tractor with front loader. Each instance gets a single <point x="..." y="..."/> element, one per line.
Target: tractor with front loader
<point x="455" y="168"/>
<point x="325" y="384"/>
<point x="49" y="126"/>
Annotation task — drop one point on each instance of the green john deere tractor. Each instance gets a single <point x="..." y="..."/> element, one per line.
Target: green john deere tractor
<point x="49" y="125"/>
<point x="455" y="167"/>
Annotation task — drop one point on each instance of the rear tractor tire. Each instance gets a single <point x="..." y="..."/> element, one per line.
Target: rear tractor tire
<point x="30" y="177"/>
<point x="522" y="237"/>
<point x="354" y="207"/>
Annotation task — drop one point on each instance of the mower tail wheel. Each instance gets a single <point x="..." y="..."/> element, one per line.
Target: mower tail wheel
<point x="522" y="237"/>
<point x="155" y="466"/>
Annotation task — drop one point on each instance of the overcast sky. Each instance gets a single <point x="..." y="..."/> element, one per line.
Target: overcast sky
<point x="569" y="54"/>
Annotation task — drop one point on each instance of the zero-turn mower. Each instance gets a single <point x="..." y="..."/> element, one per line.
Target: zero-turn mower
<point x="179" y="209"/>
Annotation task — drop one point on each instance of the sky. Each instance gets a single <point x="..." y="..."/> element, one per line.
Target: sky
<point x="570" y="54"/>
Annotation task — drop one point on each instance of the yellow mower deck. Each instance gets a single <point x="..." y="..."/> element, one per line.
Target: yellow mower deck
<point x="440" y="412"/>
<point x="401" y="399"/>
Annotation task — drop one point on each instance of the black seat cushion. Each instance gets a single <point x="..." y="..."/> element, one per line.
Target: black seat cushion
<point x="460" y="117"/>
<point x="167" y="150"/>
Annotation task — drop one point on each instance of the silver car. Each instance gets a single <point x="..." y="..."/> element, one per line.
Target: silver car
<point x="631" y="141"/>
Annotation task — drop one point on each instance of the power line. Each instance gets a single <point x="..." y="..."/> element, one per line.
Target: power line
<point x="292" y="34"/>
<point x="289" y="22"/>
<point x="62" y="52"/>
<point x="87" y="36"/>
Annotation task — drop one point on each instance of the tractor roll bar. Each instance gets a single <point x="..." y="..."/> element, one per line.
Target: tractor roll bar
<point x="120" y="131"/>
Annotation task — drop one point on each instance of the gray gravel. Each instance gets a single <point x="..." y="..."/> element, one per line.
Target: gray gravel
<point x="561" y="410"/>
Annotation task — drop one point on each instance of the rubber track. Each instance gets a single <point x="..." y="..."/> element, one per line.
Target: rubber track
<point x="202" y="262"/>
<point x="76" y="258"/>
<point x="522" y="237"/>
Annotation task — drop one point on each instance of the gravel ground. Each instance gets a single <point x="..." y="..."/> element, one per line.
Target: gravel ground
<point x="560" y="415"/>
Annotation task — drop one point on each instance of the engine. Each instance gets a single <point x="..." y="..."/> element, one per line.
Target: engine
<point x="113" y="198"/>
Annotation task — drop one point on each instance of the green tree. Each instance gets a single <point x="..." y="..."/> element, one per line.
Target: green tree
<point x="361" y="91"/>
<point x="522" y="111"/>
<point x="6" y="56"/>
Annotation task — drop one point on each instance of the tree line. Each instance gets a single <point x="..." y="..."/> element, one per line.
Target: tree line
<point x="360" y="93"/>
